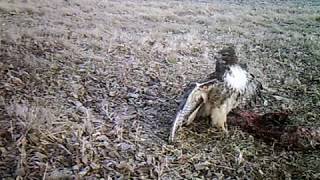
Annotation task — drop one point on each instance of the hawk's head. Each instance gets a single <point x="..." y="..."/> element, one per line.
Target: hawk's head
<point x="227" y="58"/>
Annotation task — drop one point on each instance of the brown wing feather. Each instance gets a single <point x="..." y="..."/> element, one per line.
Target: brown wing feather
<point x="253" y="91"/>
<point x="192" y="101"/>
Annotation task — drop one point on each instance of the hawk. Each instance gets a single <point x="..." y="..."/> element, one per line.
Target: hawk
<point x="221" y="92"/>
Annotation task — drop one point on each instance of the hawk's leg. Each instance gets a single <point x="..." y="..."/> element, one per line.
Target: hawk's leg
<point x="219" y="118"/>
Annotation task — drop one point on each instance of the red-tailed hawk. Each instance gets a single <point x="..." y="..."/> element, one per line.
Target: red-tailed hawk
<point x="222" y="91"/>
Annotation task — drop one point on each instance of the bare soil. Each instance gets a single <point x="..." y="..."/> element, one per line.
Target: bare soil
<point x="88" y="88"/>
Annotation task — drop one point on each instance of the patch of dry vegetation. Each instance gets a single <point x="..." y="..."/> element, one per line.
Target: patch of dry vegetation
<point x="88" y="88"/>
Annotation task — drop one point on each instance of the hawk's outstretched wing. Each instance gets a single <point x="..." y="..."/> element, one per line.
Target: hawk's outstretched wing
<point x="192" y="100"/>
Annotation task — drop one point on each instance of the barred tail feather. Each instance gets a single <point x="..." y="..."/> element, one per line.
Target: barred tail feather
<point x="176" y="124"/>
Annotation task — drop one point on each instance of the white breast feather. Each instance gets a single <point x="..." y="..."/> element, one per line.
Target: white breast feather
<point x="236" y="78"/>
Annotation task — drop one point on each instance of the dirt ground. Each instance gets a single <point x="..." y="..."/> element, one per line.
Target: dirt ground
<point x="88" y="88"/>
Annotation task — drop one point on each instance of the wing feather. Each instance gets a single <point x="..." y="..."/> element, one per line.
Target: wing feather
<point x="192" y="101"/>
<point x="253" y="90"/>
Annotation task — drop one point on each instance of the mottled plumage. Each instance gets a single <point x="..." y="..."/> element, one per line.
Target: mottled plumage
<point x="196" y="95"/>
<point x="222" y="91"/>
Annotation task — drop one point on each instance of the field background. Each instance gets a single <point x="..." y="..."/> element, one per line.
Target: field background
<point x="88" y="88"/>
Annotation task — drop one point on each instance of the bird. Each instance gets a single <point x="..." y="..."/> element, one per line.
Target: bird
<point x="223" y="90"/>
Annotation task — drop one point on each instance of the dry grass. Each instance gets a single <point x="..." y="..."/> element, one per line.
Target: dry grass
<point x="88" y="88"/>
